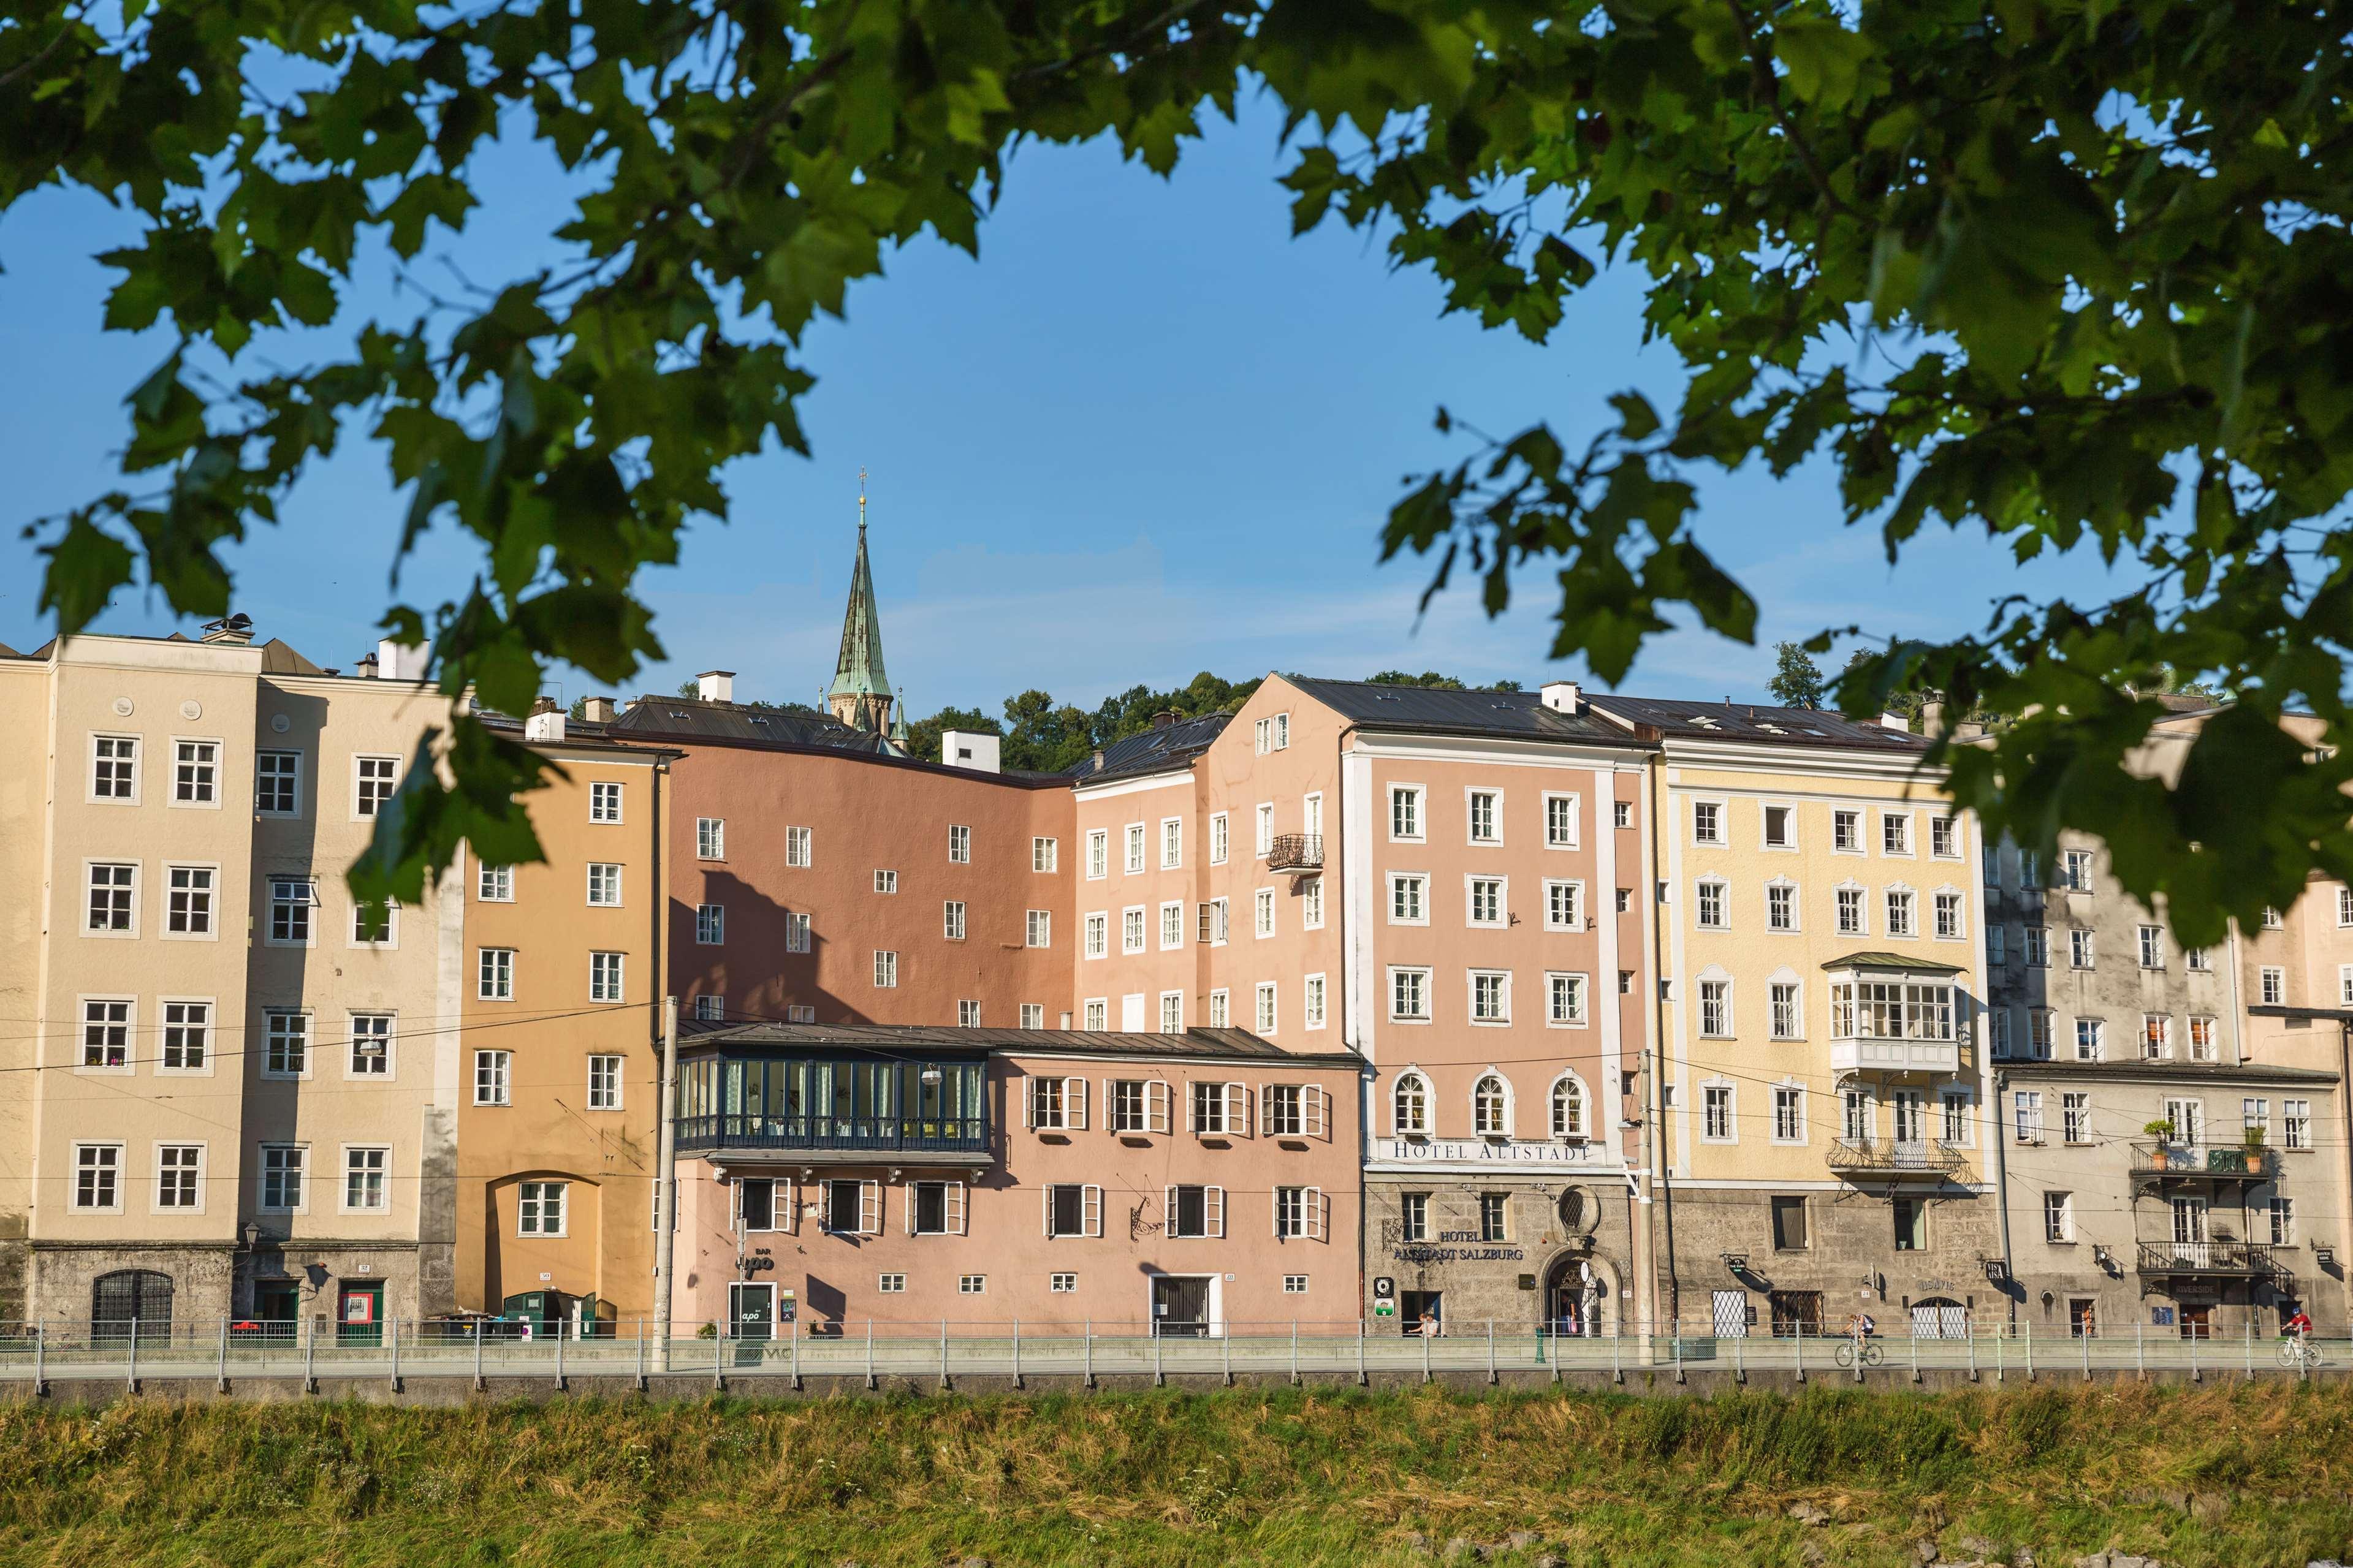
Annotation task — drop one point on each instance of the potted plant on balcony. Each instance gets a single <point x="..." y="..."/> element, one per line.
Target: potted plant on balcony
<point x="2162" y="1131"/>
<point x="2255" y="1151"/>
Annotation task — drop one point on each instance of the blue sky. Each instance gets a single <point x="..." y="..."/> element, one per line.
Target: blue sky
<point x="1147" y="433"/>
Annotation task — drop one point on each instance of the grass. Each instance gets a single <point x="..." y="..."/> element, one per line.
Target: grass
<point x="2238" y="1476"/>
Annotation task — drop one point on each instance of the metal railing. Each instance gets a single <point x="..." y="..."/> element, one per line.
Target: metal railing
<point x="2231" y="1258"/>
<point x="1296" y="852"/>
<point x="2247" y="1162"/>
<point x="879" y="1134"/>
<point x="862" y="1353"/>
<point x="1904" y="1157"/>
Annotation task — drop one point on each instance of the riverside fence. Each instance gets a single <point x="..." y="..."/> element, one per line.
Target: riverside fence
<point x="35" y="1358"/>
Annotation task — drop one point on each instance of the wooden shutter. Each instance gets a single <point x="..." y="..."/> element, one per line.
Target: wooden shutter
<point x="1169" y="1212"/>
<point x="870" y="1208"/>
<point x="1213" y="1211"/>
<point x="1318" y="1110"/>
<point x="907" y="1197"/>
<point x="1156" y="1105"/>
<point x="1046" y="1212"/>
<point x="1318" y="1215"/>
<point x="1238" y="1110"/>
<point x="1029" y="1104"/>
<point x="1266" y="1099"/>
<point x="1075" y="1103"/>
<point x="1091" y="1211"/>
<point x="788" y="1192"/>
<point x="1204" y="923"/>
<point x="956" y="1208"/>
<point x="1192" y="1109"/>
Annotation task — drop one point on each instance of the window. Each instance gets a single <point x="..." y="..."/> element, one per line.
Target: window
<point x="1272" y="734"/>
<point x="2345" y="906"/>
<point x="1494" y="1216"/>
<point x="2075" y="1117"/>
<point x="1266" y="1007"/>
<point x="603" y="803"/>
<point x="1213" y="922"/>
<point x="1715" y="1113"/>
<point x="2157" y="1036"/>
<point x="2059" y="1216"/>
<point x="1715" y="1008"/>
<point x="1788" y="1114"/>
<point x="1788" y="1224"/>
<point x="1896" y="833"/>
<point x="495" y="971"/>
<point x="1410" y="1106"/>
<point x="371" y="1046"/>
<point x="1134" y="848"/>
<point x="365" y="1175"/>
<point x="1910" y="1224"/>
<point x="98" y="1176"/>
<point x="1560" y="821"/>
<point x="1294" y="1284"/>
<point x="2075" y="871"/>
<point x="1311" y="900"/>
<point x="1623" y="813"/>
<point x="114" y="767"/>
<point x="2278" y="1219"/>
<point x="189" y="912"/>
<point x="286" y="1047"/>
<point x="2038" y="947"/>
<point x="1062" y="1284"/>
<point x="2296" y="1124"/>
<point x="1564" y="906"/>
<point x="196" y="772"/>
<point x="711" y="924"/>
<point x="178" y="1168"/>
<point x="1299" y="1216"/>
<point x="2152" y="947"/>
<point x="539" y="1208"/>
<point x="952" y="920"/>
<point x="799" y="847"/>
<point x="968" y="1015"/>
<point x="1131" y="929"/>
<point x="1172" y="843"/>
<point x="1707" y="822"/>
<point x="935" y="1208"/>
<point x="1405" y="811"/>
<point x="959" y="845"/>
<point x="1074" y="1209"/>
<point x="2038" y="1033"/>
<point x="1899" y="912"/>
<point x="1996" y="944"/>
<point x="1957" y="1119"/>
<point x="1040" y="929"/>
<point x="1098" y="853"/>
<point x="853" y="1207"/>
<point x="886" y="968"/>
<point x="2201" y="1040"/>
<point x="1784" y="995"/>
<point x="1095" y="1013"/>
<point x="106" y="1032"/>
<point x="1567" y="1120"/>
<point x="1265" y="904"/>
<point x="1483" y="808"/>
<point x="2091" y="1040"/>
<point x="278" y="783"/>
<point x="2274" y="982"/>
<point x="1139" y="1105"/>
<point x="492" y="1077"/>
<point x="1043" y="853"/>
<point x="605" y="970"/>
<point x="710" y="839"/>
<point x="1409" y="994"/>
<point x="112" y="891"/>
<point x="2028" y="1104"/>
<point x="2197" y="959"/>
<point x="1098" y="929"/>
<point x="1780" y="828"/>
<point x="799" y="1013"/>
<point x="1490" y="996"/>
<point x="1265" y="830"/>
<point x="605" y="1083"/>
<point x="375" y="925"/>
<point x="1780" y="907"/>
<point x="374" y="779"/>
<point x="710" y="1009"/>
<point x="1491" y="1111"/>
<point x="1998" y="1030"/>
<point x="1196" y="1213"/>
<point x="1058" y="1104"/>
<point x="1218" y="837"/>
<point x="1713" y="906"/>
<point x="603" y="883"/>
<point x="1850" y="911"/>
<point x="1846" y="832"/>
<point x="1565" y="999"/>
<point x="2030" y="868"/>
<point x="1311" y="989"/>
<point x="1413" y="1216"/>
<point x="1486" y="900"/>
<point x="1860" y="1115"/>
<point x="282" y="1166"/>
<point x="187" y="1027"/>
<point x="1944" y="839"/>
<point x="2079" y="949"/>
<point x="1948" y="916"/>
<point x="495" y="885"/>
<point x="1406" y="899"/>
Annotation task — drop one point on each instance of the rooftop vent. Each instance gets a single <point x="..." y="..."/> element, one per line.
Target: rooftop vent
<point x="1563" y="696"/>
<point x="596" y="710"/>
<point x="715" y="686"/>
<point x="545" y="724"/>
<point x="237" y="629"/>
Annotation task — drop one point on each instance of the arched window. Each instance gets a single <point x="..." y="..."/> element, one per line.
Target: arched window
<point x="1490" y="1114"/>
<point x="130" y="1296"/>
<point x="1411" y="1106"/>
<point x="1567" y="1108"/>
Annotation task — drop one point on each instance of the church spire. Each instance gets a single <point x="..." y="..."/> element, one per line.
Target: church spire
<point x="861" y="693"/>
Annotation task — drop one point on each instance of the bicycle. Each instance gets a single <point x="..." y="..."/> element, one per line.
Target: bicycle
<point x="1869" y="1350"/>
<point x="2298" y="1355"/>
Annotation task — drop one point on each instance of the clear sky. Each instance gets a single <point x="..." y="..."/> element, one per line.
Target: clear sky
<point x="1145" y="434"/>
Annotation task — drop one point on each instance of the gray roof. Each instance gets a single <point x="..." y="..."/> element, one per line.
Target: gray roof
<point x="694" y="719"/>
<point x="893" y="1038"/>
<point x="1877" y="960"/>
<point x="1746" y="722"/>
<point x="2219" y="1074"/>
<point x="1154" y="751"/>
<point x="1424" y="709"/>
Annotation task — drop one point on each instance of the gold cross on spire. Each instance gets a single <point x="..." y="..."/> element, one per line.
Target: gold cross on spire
<point x="861" y="498"/>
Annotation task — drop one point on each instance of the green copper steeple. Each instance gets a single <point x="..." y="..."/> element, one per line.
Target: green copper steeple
<point x="861" y="693"/>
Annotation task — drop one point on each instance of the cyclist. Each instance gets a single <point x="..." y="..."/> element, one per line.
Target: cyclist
<point x="2299" y="1327"/>
<point x="1859" y="1328"/>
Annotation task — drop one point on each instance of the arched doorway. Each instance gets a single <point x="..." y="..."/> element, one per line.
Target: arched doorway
<point x="128" y="1296"/>
<point x="1578" y="1292"/>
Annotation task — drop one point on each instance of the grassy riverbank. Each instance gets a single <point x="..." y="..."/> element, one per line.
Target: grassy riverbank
<point x="2195" y="1476"/>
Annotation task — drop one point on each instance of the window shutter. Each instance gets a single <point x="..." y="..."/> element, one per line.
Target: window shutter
<point x="956" y="1208"/>
<point x="1046" y="1212"/>
<point x="1319" y="1111"/>
<point x="907" y="1199"/>
<point x="1075" y="1103"/>
<point x="1156" y="1105"/>
<point x="1204" y="922"/>
<point x="1316" y="1215"/>
<point x="870" y="1208"/>
<point x="1030" y="1105"/>
<point x="1265" y="1110"/>
<point x="1169" y="1212"/>
<point x="1213" y="1211"/>
<point x="1238" y="1110"/>
<point x="1091" y="1211"/>
<point x="789" y="1191"/>
<point x="1192" y="1112"/>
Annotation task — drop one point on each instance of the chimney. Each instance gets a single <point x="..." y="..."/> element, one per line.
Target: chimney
<point x="1162" y="720"/>
<point x="967" y="749"/>
<point x="236" y="630"/>
<point x="596" y="710"/>
<point x="1098" y="758"/>
<point x="545" y="723"/>
<point x="716" y="685"/>
<point x="397" y="661"/>
<point x="1895" y="721"/>
<point x="1563" y="696"/>
<point x="1932" y="717"/>
<point x="1969" y="730"/>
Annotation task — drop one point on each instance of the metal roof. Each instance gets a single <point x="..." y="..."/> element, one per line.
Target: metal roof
<point x="1154" y="751"/>
<point x="1746" y="722"/>
<point x="693" y="718"/>
<point x="894" y="1038"/>
<point x="1892" y="960"/>
<point x="1422" y="708"/>
<point x="2214" y="1073"/>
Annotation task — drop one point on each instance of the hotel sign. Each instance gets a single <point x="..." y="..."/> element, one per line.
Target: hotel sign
<point x="1525" y="1154"/>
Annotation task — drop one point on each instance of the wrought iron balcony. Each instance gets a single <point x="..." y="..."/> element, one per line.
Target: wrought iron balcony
<point x="2219" y="1259"/>
<point x="1301" y="854"/>
<point x="1888" y="1159"/>
<point x="839" y="1140"/>
<point x="2195" y="1161"/>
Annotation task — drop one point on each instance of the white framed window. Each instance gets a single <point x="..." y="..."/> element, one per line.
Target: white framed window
<point x="1266" y="1007"/>
<point x="2075" y="872"/>
<point x="1294" y="1284"/>
<point x="1172" y="843"/>
<point x="710" y="839"/>
<point x="2276" y="1215"/>
<point x="1312" y="990"/>
<point x="1567" y="1104"/>
<point x="1707" y="822"/>
<point x="113" y="903"/>
<point x="1896" y="833"/>
<point x="1561" y="815"/>
<point x="1901" y="905"/>
<point x="1485" y="899"/>
<point x="1784" y="1000"/>
<point x="1194" y="1212"/>
<point x="1564" y="995"/>
<point x="1410" y="1106"/>
<point x="1490" y="995"/>
<point x="1715" y="1008"/>
<point x="188" y="900"/>
<point x="1996" y="944"/>
<point x="2075" y="1117"/>
<point x="1172" y="1011"/>
<point x="968" y="1015"/>
<point x="1951" y="923"/>
<point x="1780" y="906"/>
<point x="952" y="920"/>
<point x="1564" y="905"/>
<point x="1409" y="899"/>
<point x="541" y="1208"/>
<point x="371" y="1046"/>
<point x="1852" y="908"/>
<point x="1410" y="995"/>
<point x="1135" y="840"/>
<point x="1097" y="1013"/>
<point x="376" y="926"/>
<point x="114" y="769"/>
<point x="278" y="783"/>
<point x="886" y="881"/>
<point x="709" y="1008"/>
<point x="1263" y="904"/>
<point x="605" y="1082"/>
<point x="1265" y="829"/>
<point x="187" y="1036"/>
<point x="1712" y="906"/>
<point x="797" y="932"/>
<point x="2079" y="948"/>
<point x="1098" y="934"/>
<point x="1063" y="1284"/>
<point x="1998" y="1031"/>
<point x="1273" y="734"/>
<point x="959" y="843"/>
<point x="1033" y="1015"/>
<point x="800" y="848"/>
<point x="2345" y="906"/>
<point x="1716" y="1113"/>
<point x="2296" y="1124"/>
<point x="1220" y="1009"/>
<point x="1039" y="928"/>
<point x="1299" y="1214"/>
<point x="2038" y="946"/>
<point x="179" y="1177"/>
<point x="1072" y="1209"/>
<point x="374" y="782"/>
<point x="196" y="772"/>
<point x="97" y="1178"/>
<point x="1945" y="838"/>
<point x="886" y="968"/>
<point x="1131" y="929"/>
<point x="2255" y="1119"/>
<point x="890" y="1284"/>
<point x="800" y="1013"/>
<point x="283" y="1167"/>
<point x="606" y="973"/>
<point x="1219" y="838"/>
<point x="2059" y="1218"/>
<point x="1788" y="1114"/>
<point x="1957" y="1120"/>
<point x="1172" y="926"/>
<point x="710" y="925"/>
<point x="367" y="1179"/>
<point x="106" y="1023"/>
<point x="1098" y="853"/>
<point x="1781" y="825"/>
<point x="2091" y="1039"/>
<point x="2157" y="1036"/>
<point x="1482" y="811"/>
<point x="494" y="885"/>
<point x="604" y="884"/>
<point x="604" y="802"/>
<point x="1405" y="814"/>
<point x="286" y="1044"/>
<point x="1621" y="812"/>
<point x="1846" y="832"/>
<point x="2038" y="1033"/>
<point x="1044" y="854"/>
<point x="1858" y="1115"/>
<point x="1491" y="1107"/>
<point x="2272" y="985"/>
